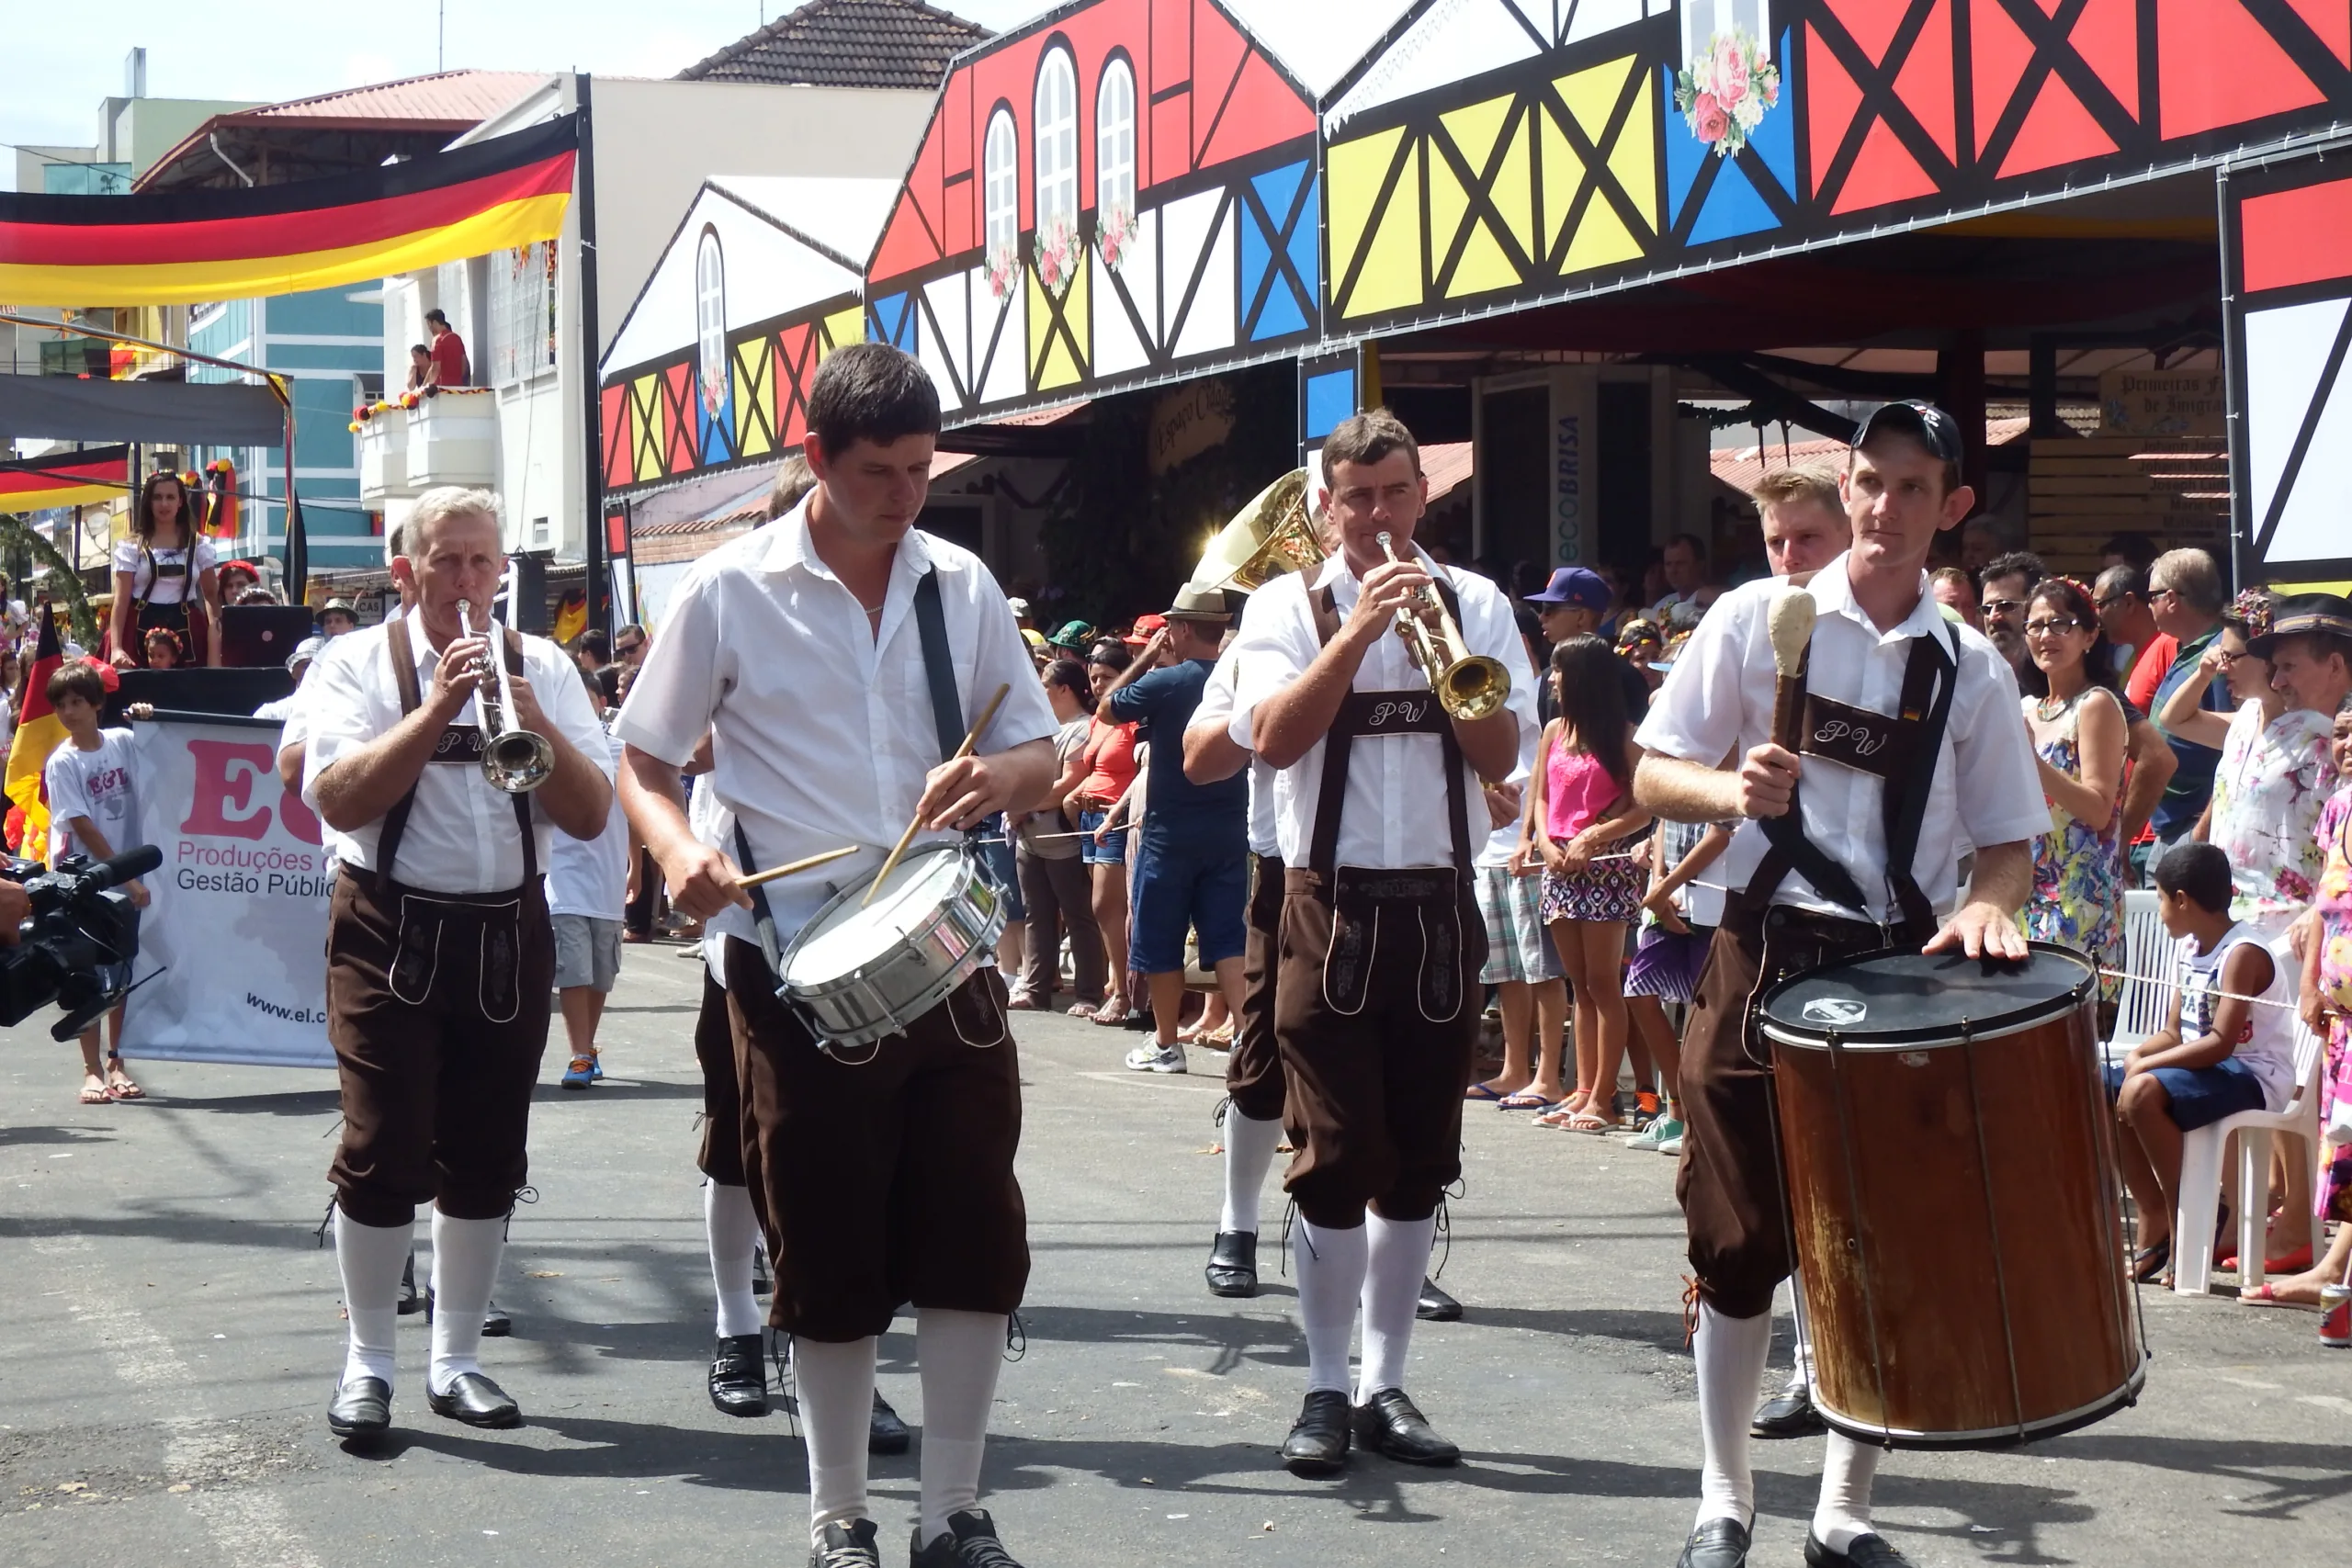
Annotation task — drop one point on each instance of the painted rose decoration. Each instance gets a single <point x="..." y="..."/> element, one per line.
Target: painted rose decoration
<point x="1057" y="252"/>
<point x="1115" y="230"/>
<point x="1724" y="94"/>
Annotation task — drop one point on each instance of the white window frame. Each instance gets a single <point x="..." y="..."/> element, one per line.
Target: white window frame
<point x="1001" y="185"/>
<point x="1054" y="126"/>
<point x="1115" y="140"/>
<point x="710" y="315"/>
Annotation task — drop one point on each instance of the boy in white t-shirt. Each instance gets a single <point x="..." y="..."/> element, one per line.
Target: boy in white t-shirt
<point x="93" y="810"/>
<point x="587" y="887"/>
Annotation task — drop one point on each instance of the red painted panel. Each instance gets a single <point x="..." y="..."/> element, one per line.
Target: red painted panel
<point x="2057" y="129"/>
<point x="1873" y="23"/>
<point x="1884" y="173"/>
<point x="2297" y="236"/>
<point x="794" y="371"/>
<point x="2332" y="19"/>
<point x="905" y="246"/>
<point x="1924" y="83"/>
<point x="619" y="439"/>
<point x="963" y="217"/>
<point x="1172" y="46"/>
<point x="1830" y="99"/>
<point x="1264" y="111"/>
<point x="1171" y="138"/>
<point x="1999" y="52"/>
<point x="1217" y="51"/>
<point x="2106" y="35"/>
<point x="2215" y="66"/>
<point x="957" y="130"/>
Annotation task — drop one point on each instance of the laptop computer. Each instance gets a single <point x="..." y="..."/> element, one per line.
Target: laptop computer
<point x="255" y="635"/>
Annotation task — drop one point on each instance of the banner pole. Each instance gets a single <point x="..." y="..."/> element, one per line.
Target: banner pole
<point x="592" y="443"/>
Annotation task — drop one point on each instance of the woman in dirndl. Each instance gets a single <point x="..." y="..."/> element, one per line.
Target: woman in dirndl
<point x="165" y="574"/>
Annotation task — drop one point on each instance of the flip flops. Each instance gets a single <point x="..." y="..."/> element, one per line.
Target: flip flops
<point x="1480" y="1091"/>
<point x="1525" y="1100"/>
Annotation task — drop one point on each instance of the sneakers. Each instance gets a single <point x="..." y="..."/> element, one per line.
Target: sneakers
<point x="970" y="1542"/>
<point x="1666" y="1128"/>
<point x="1157" y="1058"/>
<point x="1672" y="1147"/>
<point x="853" y="1547"/>
<point x="582" y="1073"/>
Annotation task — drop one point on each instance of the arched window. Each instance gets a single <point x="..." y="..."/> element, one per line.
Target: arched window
<point x="710" y="316"/>
<point x="999" y="187"/>
<point x="1057" y="132"/>
<point x="1114" y="141"/>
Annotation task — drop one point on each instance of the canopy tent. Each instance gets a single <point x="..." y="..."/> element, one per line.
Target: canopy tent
<point x="194" y="414"/>
<point x="64" y="479"/>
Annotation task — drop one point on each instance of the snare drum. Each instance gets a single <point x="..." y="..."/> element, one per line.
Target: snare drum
<point x="1952" y="1177"/>
<point x="859" y="971"/>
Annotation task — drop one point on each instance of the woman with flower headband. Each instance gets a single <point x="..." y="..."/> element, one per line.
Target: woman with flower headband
<point x="2080" y="736"/>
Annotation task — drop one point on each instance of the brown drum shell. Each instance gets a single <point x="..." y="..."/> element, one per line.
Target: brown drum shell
<point x="1958" y="1235"/>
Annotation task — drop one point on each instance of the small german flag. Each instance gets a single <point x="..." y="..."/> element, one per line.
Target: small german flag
<point x="66" y="479"/>
<point x="183" y="246"/>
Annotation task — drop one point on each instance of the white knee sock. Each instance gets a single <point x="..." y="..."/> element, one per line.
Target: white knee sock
<point x="835" y="1384"/>
<point x="1248" y="1154"/>
<point x="1730" y="1353"/>
<point x="959" y="1353"/>
<point x="371" y="1258"/>
<point x="465" y="1261"/>
<point x="1800" y="1342"/>
<point x="1396" y="1260"/>
<point x="1844" y="1513"/>
<point x="733" y="1233"/>
<point x="1330" y="1279"/>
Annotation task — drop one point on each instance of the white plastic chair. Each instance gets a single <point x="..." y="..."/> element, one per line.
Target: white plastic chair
<point x="2200" y="1179"/>
<point x="2141" y="1004"/>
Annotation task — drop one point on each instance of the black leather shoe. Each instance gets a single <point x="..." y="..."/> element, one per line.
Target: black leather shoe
<point x="1233" y="1264"/>
<point x="885" y="1433"/>
<point x="1318" y="1444"/>
<point x="1788" y="1414"/>
<point x="970" y="1542"/>
<point x="739" y="1375"/>
<point x="1436" y="1306"/>
<point x="410" y="1303"/>
<point x="1867" y="1551"/>
<point x="361" y="1410"/>
<point x="852" y="1546"/>
<point x="475" y="1400"/>
<point x="1719" y="1543"/>
<point x="1390" y="1425"/>
<point x="496" y="1323"/>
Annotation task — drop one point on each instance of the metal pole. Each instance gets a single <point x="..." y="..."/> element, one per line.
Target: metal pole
<point x="591" y="440"/>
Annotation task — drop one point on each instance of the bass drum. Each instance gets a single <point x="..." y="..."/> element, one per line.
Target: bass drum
<point x="1952" y="1183"/>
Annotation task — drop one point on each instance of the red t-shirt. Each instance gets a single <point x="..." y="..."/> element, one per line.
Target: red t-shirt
<point x="2148" y="671"/>
<point x="449" y="359"/>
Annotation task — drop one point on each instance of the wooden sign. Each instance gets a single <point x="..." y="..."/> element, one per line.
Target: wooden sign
<point x="2162" y="403"/>
<point x="1188" y="421"/>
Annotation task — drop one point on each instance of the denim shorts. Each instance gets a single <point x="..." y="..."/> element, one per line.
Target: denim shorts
<point x="1112" y="851"/>
<point x="2201" y="1096"/>
<point x="1180" y="890"/>
<point x="1004" y="871"/>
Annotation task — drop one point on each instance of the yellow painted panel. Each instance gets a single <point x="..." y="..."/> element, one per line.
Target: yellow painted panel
<point x="1391" y="276"/>
<point x="1475" y="129"/>
<point x="646" y="392"/>
<point x="1060" y="369"/>
<point x="1354" y="169"/>
<point x="1448" y="202"/>
<point x="1513" y="188"/>
<point x="1590" y="94"/>
<point x="1634" y="161"/>
<point x="1601" y="239"/>
<point x="1483" y="265"/>
<point x="842" y="329"/>
<point x="1563" y="176"/>
<point x="755" y="404"/>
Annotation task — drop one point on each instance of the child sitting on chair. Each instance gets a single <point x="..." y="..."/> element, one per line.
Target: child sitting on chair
<point x="2227" y="1046"/>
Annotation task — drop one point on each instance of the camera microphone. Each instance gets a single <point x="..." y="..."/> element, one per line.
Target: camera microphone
<point x="125" y="867"/>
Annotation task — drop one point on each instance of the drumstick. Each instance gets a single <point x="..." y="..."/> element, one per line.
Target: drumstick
<point x="1792" y="615"/>
<point x="796" y="867"/>
<point x="908" y="837"/>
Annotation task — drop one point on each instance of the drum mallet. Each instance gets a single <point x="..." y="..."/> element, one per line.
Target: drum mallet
<point x="794" y="868"/>
<point x="1793" y="616"/>
<point x="987" y="714"/>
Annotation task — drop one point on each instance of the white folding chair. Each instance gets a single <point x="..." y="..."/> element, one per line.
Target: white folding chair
<point x="2200" y="1179"/>
<point x="2147" y="951"/>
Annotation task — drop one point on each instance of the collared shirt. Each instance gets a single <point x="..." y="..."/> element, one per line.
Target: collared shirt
<point x="2191" y="785"/>
<point x="1394" y="815"/>
<point x="1718" y="702"/>
<point x="460" y="836"/>
<point x="1216" y="707"/>
<point x="822" y="731"/>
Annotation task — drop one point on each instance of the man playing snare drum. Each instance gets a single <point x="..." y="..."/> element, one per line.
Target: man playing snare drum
<point x="883" y="1176"/>
<point x="1838" y="853"/>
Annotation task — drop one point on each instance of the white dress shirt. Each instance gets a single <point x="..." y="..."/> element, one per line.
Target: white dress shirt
<point x="1394" y="815"/>
<point x="1216" y="707"/>
<point x="822" y="730"/>
<point x="460" y="836"/>
<point x="1717" y="701"/>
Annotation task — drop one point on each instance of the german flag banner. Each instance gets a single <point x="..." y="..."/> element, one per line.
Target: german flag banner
<point x="39" y="732"/>
<point x="185" y="246"/>
<point x="66" y="479"/>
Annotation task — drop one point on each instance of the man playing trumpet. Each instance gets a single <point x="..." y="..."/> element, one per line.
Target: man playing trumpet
<point x="1378" y="809"/>
<point x="439" y="953"/>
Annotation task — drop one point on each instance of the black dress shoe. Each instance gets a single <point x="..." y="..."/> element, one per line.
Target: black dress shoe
<point x="970" y="1542"/>
<point x="475" y="1400"/>
<point x="739" y="1375"/>
<point x="1788" y="1414"/>
<point x="885" y="1432"/>
<point x="1318" y="1444"/>
<point x="1390" y="1425"/>
<point x="1233" y="1264"/>
<point x="1718" y="1543"/>
<point x="361" y="1409"/>
<point x="1436" y="1306"/>
<point x="1867" y="1551"/>
<point x="409" y="1301"/>
<point x="846" y="1546"/>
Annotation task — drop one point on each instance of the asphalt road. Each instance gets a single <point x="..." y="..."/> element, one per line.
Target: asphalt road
<point x="172" y="1328"/>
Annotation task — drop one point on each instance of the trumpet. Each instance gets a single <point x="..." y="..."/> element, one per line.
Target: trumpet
<point x="1468" y="685"/>
<point x="516" y="760"/>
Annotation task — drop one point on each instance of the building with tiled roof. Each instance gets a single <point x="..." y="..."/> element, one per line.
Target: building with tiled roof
<point x="846" y="44"/>
<point x="336" y="133"/>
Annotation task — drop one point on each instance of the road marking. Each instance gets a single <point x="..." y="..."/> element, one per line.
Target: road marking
<point x="2328" y="1401"/>
<point x="250" y="1525"/>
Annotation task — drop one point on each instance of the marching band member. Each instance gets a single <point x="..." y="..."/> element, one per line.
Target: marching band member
<point x="439" y="954"/>
<point x="1377" y="806"/>
<point x="886" y="1179"/>
<point x="1855" y="846"/>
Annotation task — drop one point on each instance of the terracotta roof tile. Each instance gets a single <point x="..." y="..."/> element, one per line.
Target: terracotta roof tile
<point x="463" y="98"/>
<point x="846" y="44"/>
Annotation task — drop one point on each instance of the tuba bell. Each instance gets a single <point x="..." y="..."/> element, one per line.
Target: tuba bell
<point x="1271" y="536"/>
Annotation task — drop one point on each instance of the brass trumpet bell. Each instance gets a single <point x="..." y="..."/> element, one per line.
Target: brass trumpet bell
<point x="1468" y="685"/>
<point x="1271" y="536"/>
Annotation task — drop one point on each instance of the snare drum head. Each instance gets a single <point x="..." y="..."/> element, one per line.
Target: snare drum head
<point x="1903" y="996"/>
<point x="849" y="931"/>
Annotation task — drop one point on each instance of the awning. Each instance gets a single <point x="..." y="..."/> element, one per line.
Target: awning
<point x="64" y="479"/>
<point x="187" y="413"/>
<point x="1446" y="465"/>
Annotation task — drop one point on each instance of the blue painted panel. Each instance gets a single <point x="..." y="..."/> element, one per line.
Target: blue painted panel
<point x="897" y="320"/>
<point x="1306" y="241"/>
<point x="1330" y="398"/>
<point x="1733" y="206"/>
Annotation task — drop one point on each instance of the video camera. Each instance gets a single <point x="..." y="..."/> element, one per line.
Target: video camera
<point x="76" y="947"/>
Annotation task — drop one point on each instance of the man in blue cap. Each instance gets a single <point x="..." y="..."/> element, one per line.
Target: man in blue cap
<point x="1573" y="605"/>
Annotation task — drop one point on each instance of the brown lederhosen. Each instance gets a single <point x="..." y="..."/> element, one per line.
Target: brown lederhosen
<point x="437" y="1011"/>
<point x="1253" y="1068"/>
<point x="1375" y="969"/>
<point x="1735" y="1200"/>
<point x="723" y="1129"/>
<point x="887" y="1182"/>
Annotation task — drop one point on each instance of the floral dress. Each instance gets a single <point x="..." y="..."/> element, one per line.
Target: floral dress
<point x="2077" y="898"/>
<point x="2268" y="793"/>
<point x="2333" y="901"/>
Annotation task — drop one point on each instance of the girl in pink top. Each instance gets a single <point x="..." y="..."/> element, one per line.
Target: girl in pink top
<point x="1581" y="807"/>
